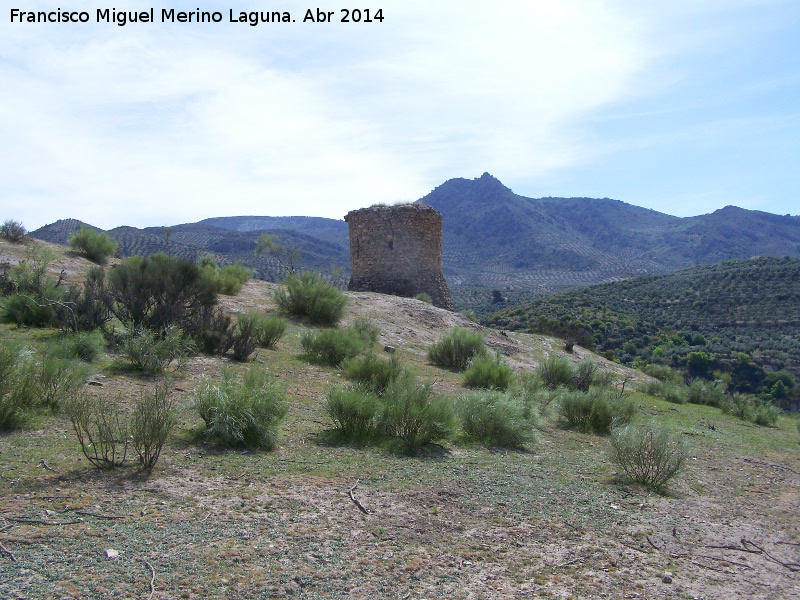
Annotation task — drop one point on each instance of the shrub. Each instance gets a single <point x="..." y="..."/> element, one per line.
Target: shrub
<point x="766" y="415"/>
<point x="227" y="280"/>
<point x="671" y="392"/>
<point x="701" y="392"/>
<point x="56" y="379"/>
<point x="662" y="372"/>
<point x="497" y="419"/>
<point x="214" y="330"/>
<point x="101" y="428"/>
<point x="332" y="346"/>
<point x="353" y="410"/>
<point x="32" y="311"/>
<point x="457" y="348"/>
<point x="246" y="336"/>
<point x="87" y="308"/>
<point x="13" y="231"/>
<point x="151" y="353"/>
<point x="18" y="390"/>
<point x="529" y="388"/>
<point x="372" y="372"/>
<point x="555" y="372"/>
<point x="424" y="297"/>
<point x="594" y="410"/>
<point x="411" y="413"/>
<point x="583" y="375"/>
<point x="246" y="414"/>
<point x="739" y="405"/>
<point x="308" y="297"/>
<point x="272" y="330"/>
<point x="87" y="346"/>
<point x="159" y="291"/>
<point x="648" y="455"/>
<point x="366" y="329"/>
<point x="92" y="244"/>
<point x="152" y="421"/>
<point x="488" y="373"/>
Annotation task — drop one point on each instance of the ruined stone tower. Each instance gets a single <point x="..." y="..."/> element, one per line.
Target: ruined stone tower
<point x="398" y="250"/>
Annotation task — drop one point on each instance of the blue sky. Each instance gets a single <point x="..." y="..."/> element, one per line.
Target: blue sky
<point x="683" y="107"/>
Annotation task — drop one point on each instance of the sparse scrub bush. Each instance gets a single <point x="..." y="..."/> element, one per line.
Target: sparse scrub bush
<point x="13" y="231"/>
<point x="272" y="330"/>
<point x="214" y="330"/>
<point x="457" y="348"/>
<point x="497" y="419"/>
<point x="101" y="428"/>
<point x="25" y="309"/>
<point x="583" y="375"/>
<point x="242" y="414"/>
<point x="86" y="308"/>
<point x="766" y="415"/>
<point x="374" y="373"/>
<point x="530" y="389"/>
<point x="555" y="372"/>
<point x="675" y="393"/>
<point x="332" y="346"/>
<point x="92" y="244"/>
<point x="739" y="405"/>
<point x="424" y="297"/>
<point x="246" y="335"/>
<point x="308" y="297"/>
<point x="662" y="372"/>
<point x="227" y="280"/>
<point x="414" y="415"/>
<point x="702" y="392"/>
<point x="152" y="421"/>
<point x="648" y="455"/>
<point x="366" y="329"/>
<point x="158" y="291"/>
<point x="57" y="378"/>
<point x="488" y="373"/>
<point x="18" y="389"/>
<point x="353" y="410"/>
<point x="595" y="410"/>
<point x="151" y="353"/>
<point x="87" y="346"/>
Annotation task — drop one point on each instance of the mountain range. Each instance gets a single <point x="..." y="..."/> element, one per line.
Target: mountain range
<point x="493" y="238"/>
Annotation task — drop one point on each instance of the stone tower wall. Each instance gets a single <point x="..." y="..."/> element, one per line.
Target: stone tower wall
<point x="398" y="250"/>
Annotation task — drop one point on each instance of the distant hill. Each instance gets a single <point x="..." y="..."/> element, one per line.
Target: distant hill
<point x="742" y="306"/>
<point x="226" y="246"/>
<point x="494" y="237"/>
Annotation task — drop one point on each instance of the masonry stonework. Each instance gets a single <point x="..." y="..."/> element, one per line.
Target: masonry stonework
<point x="398" y="250"/>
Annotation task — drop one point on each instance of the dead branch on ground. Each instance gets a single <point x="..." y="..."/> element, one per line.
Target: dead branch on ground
<point x="357" y="503"/>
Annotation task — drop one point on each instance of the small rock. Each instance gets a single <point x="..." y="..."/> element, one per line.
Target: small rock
<point x="667" y="578"/>
<point x="389" y="349"/>
<point x="49" y="513"/>
<point x="111" y="553"/>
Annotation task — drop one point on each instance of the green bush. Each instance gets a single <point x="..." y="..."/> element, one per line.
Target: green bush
<point x="31" y="311"/>
<point x="214" y="330"/>
<point x="86" y="308"/>
<point x="702" y="392"/>
<point x="151" y="353"/>
<point x="648" y="455"/>
<point x="662" y="372"/>
<point x="332" y="346"/>
<point x="583" y="375"/>
<point x="531" y="390"/>
<point x="413" y="415"/>
<point x="372" y="372"/>
<point x="92" y="244"/>
<point x="18" y="388"/>
<point x="366" y="329"/>
<point x="457" y="348"/>
<point x="57" y="378"/>
<point x="101" y="427"/>
<point x="158" y="291"/>
<point x="308" y="297"/>
<point x="595" y="410"/>
<point x="675" y="393"/>
<point x="272" y="330"/>
<point x="226" y="280"/>
<point x="13" y="231"/>
<point x="488" y="373"/>
<point x="353" y="410"/>
<point x="246" y="335"/>
<point x="555" y="372"/>
<point x="152" y="421"/>
<point x="766" y="415"/>
<point x="497" y="419"/>
<point x="739" y="405"/>
<point x="424" y="297"/>
<point x="87" y="346"/>
<point x="242" y="414"/>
